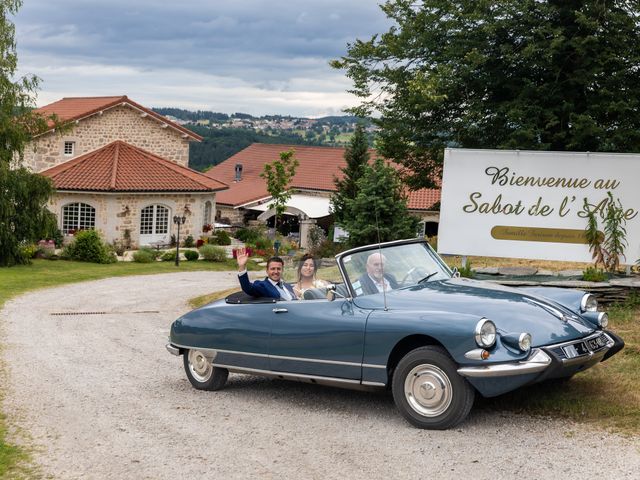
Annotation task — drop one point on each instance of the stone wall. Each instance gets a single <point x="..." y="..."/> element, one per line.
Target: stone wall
<point x="234" y="215"/>
<point x="118" y="123"/>
<point x="116" y="213"/>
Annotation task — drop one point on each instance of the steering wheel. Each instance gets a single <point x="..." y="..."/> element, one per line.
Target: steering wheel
<point x="415" y="271"/>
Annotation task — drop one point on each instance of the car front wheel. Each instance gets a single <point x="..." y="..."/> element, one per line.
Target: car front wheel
<point x="201" y="373"/>
<point x="428" y="390"/>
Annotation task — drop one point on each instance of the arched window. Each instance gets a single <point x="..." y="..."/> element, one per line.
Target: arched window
<point x="154" y="220"/>
<point x="78" y="216"/>
<point x="207" y="212"/>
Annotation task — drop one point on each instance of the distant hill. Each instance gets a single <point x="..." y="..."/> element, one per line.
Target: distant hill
<point x="225" y="135"/>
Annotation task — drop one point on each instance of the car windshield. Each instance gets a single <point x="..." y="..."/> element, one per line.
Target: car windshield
<point x="393" y="266"/>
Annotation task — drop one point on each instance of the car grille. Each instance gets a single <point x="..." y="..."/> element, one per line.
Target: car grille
<point x="580" y="348"/>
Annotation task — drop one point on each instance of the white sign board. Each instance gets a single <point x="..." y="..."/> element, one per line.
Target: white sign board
<point x="530" y="204"/>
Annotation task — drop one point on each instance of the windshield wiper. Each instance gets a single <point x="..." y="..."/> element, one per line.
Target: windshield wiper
<point x="424" y="279"/>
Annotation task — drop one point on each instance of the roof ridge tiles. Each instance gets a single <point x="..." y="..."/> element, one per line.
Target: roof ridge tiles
<point x="114" y="171"/>
<point x="120" y="166"/>
<point x="109" y="102"/>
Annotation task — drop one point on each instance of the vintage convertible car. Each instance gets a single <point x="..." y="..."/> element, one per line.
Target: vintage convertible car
<point x="402" y="320"/>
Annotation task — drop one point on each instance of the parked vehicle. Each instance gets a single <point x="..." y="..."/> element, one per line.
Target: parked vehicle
<point x="401" y="320"/>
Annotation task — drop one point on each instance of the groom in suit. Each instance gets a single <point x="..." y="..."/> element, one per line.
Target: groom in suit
<point x="272" y="286"/>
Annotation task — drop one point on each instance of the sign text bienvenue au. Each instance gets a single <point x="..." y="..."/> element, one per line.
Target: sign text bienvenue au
<point x="526" y="204"/>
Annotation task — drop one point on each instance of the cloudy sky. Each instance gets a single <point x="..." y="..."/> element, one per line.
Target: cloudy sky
<point x="252" y="56"/>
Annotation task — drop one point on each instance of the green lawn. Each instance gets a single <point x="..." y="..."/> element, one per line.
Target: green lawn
<point x="47" y="273"/>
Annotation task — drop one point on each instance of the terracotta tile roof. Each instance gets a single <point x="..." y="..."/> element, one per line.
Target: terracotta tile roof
<point x="76" y="108"/>
<point x="318" y="166"/>
<point x="120" y="167"/>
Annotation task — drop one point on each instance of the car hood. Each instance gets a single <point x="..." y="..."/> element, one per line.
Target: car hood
<point x="512" y="311"/>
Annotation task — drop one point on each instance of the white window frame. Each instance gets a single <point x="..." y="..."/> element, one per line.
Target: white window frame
<point x="72" y="148"/>
<point x="78" y="216"/>
<point x="153" y="222"/>
<point x="208" y="208"/>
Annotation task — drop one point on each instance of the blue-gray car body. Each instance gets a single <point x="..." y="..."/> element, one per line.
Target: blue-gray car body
<point x="357" y="340"/>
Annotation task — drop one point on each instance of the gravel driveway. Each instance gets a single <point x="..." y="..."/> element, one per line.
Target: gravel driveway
<point x="100" y="397"/>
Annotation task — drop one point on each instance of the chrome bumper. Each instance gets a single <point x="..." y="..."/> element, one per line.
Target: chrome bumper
<point x="537" y="362"/>
<point x="592" y="350"/>
<point x="173" y="350"/>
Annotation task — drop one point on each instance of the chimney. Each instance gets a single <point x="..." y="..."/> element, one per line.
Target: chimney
<point x="238" y="172"/>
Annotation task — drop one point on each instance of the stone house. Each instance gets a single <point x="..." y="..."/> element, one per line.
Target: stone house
<point x="122" y="169"/>
<point x="247" y="197"/>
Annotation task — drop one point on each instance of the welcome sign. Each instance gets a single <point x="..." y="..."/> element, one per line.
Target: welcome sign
<point x="531" y="204"/>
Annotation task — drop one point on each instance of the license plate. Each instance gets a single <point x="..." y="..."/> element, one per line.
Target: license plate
<point x="596" y="343"/>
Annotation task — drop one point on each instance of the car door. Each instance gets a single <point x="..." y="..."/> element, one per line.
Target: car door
<point x="318" y="337"/>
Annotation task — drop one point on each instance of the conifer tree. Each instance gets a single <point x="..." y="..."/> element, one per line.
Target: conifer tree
<point x="379" y="210"/>
<point x="356" y="156"/>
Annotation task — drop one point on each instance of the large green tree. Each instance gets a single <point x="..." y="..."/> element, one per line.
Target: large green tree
<point x="379" y="210"/>
<point x="356" y="156"/>
<point x="23" y="195"/>
<point x="529" y="74"/>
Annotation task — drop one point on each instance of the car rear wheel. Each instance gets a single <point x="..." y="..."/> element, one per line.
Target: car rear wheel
<point x="428" y="390"/>
<point x="201" y="373"/>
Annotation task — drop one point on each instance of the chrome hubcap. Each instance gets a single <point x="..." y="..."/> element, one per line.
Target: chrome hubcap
<point x="199" y="366"/>
<point x="428" y="390"/>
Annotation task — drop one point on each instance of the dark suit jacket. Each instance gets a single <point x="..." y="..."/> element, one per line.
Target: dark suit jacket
<point x="369" y="288"/>
<point x="262" y="288"/>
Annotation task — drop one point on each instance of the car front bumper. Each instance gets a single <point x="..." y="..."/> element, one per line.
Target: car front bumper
<point x="559" y="360"/>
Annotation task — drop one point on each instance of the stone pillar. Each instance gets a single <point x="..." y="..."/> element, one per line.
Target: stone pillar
<point x="304" y="231"/>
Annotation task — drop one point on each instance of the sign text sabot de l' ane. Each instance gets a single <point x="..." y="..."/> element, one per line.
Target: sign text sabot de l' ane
<point x="530" y="204"/>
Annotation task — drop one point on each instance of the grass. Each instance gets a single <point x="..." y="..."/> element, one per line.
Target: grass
<point x="211" y="297"/>
<point x="19" y="279"/>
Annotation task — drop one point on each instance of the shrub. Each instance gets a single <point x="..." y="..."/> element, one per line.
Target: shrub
<point x="168" y="256"/>
<point x="607" y="248"/>
<point x="328" y="249"/>
<point x="315" y="237"/>
<point x="220" y="237"/>
<point x="189" y="242"/>
<point x="191" y="255"/>
<point x="143" y="256"/>
<point x="466" y="271"/>
<point x="150" y="251"/>
<point x="119" y="247"/>
<point x="213" y="253"/>
<point x="249" y="235"/>
<point x="593" y="274"/>
<point x="263" y="243"/>
<point x="89" y="247"/>
<point x="28" y="251"/>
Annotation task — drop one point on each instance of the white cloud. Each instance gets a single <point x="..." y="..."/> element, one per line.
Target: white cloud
<point x="254" y="56"/>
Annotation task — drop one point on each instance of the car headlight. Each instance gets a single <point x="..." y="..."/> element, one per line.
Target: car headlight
<point x="485" y="333"/>
<point x="524" y="342"/>
<point x="589" y="303"/>
<point x="598" y="319"/>
<point x="603" y="320"/>
<point x="518" y="341"/>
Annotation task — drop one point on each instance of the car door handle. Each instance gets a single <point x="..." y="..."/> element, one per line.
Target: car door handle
<point x="280" y="310"/>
